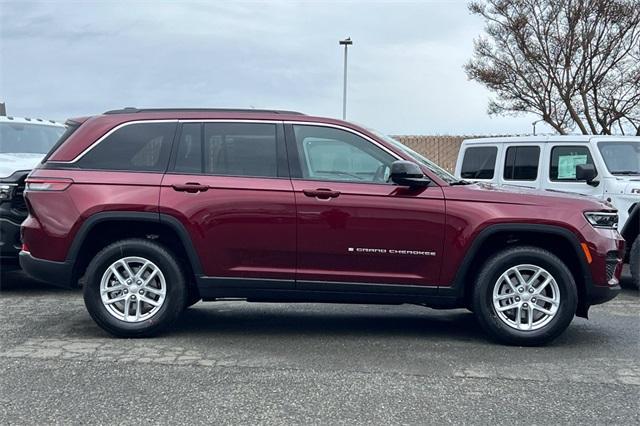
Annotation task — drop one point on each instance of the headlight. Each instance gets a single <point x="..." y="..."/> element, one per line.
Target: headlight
<point x="6" y="191"/>
<point x="602" y="219"/>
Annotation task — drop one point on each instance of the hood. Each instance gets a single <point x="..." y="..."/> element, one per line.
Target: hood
<point x="13" y="162"/>
<point x="485" y="192"/>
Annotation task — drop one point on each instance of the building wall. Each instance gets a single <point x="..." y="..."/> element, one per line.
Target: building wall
<point x="442" y="150"/>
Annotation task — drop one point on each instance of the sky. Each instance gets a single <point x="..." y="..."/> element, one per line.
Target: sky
<point x="61" y="59"/>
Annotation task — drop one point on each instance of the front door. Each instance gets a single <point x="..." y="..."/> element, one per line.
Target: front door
<point x="353" y="225"/>
<point x="228" y="183"/>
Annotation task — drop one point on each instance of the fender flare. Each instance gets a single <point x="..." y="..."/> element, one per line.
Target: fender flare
<point x="116" y="216"/>
<point x="631" y="227"/>
<point x="459" y="283"/>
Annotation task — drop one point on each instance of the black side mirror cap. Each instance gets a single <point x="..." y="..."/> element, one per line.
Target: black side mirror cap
<point x="586" y="173"/>
<point x="407" y="173"/>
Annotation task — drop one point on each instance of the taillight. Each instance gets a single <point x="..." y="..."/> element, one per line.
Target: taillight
<point x="48" y="184"/>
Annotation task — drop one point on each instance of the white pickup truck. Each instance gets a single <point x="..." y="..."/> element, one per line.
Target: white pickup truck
<point x="606" y="167"/>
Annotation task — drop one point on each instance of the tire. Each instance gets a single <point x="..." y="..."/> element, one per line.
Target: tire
<point x="634" y="263"/>
<point x="508" y="326"/>
<point x="166" y="288"/>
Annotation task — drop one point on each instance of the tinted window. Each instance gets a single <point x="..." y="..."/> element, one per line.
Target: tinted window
<point x="189" y="155"/>
<point x="231" y="149"/>
<point x="521" y="163"/>
<point x="137" y="147"/>
<point x="479" y="162"/>
<point x="331" y="154"/>
<point x="564" y="160"/>
<point x="21" y="138"/>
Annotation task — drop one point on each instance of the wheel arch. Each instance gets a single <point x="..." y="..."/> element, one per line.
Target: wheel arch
<point x="114" y="225"/>
<point x="559" y="241"/>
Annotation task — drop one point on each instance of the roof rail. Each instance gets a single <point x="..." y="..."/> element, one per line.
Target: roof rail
<point x="131" y="110"/>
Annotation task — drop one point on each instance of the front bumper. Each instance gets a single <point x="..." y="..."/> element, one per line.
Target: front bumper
<point x="598" y="294"/>
<point x="9" y="239"/>
<point x="58" y="274"/>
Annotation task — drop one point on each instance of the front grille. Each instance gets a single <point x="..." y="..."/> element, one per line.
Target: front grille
<point x="17" y="201"/>
<point x="612" y="263"/>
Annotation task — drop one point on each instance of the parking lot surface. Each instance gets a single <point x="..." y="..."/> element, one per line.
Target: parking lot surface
<point x="232" y="362"/>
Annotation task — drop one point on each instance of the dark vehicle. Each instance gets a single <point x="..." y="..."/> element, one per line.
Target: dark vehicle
<point x="154" y="210"/>
<point x="23" y="144"/>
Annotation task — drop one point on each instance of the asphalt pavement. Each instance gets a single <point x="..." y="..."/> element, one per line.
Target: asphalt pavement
<point x="238" y="362"/>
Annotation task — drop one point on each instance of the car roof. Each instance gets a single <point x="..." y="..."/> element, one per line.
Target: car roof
<point x="27" y="120"/>
<point x="548" y="139"/>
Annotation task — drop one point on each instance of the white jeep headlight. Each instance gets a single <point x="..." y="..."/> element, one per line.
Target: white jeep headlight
<point x="602" y="219"/>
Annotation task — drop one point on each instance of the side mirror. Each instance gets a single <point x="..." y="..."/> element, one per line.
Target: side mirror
<point x="586" y="173"/>
<point x="407" y="173"/>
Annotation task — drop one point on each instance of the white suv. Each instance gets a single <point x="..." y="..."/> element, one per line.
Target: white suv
<point x="23" y="144"/>
<point x="606" y="167"/>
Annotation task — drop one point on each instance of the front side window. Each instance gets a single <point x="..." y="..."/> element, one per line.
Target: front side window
<point x="134" y="147"/>
<point x="564" y="160"/>
<point x="479" y="162"/>
<point x="521" y="163"/>
<point x="228" y="149"/>
<point x="621" y="158"/>
<point x="331" y="154"/>
<point x="24" y="138"/>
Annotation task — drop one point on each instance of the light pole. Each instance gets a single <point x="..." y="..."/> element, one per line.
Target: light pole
<point x="346" y="43"/>
<point x="534" y="125"/>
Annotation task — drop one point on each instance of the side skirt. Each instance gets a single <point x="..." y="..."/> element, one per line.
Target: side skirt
<point x="259" y="290"/>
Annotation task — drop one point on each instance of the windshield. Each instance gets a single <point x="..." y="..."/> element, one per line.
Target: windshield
<point x="442" y="173"/>
<point x="28" y="138"/>
<point x="622" y="158"/>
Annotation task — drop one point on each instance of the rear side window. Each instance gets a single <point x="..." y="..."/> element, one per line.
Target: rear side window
<point x="521" y="163"/>
<point x="141" y="147"/>
<point x="228" y="149"/>
<point x="564" y="160"/>
<point x="479" y="162"/>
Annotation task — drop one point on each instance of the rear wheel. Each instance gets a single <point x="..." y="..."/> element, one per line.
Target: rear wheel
<point x="134" y="288"/>
<point x="634" y="262"/>
<point x="525" y="296"/>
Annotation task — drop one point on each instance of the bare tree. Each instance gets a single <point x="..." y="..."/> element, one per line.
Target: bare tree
<point x="576" y="63"/>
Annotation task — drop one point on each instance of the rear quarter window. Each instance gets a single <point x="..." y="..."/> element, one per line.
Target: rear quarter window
<point x="144" y="147"/>
<point x="479" y="162"/>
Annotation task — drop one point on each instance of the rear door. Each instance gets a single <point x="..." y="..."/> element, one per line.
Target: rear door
<point x="228" y="183"/>
<point x="355" y="229"/>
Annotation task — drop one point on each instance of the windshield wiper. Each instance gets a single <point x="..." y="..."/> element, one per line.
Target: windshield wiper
<point x="626" y="172"/>
<point x="461" y="182"/>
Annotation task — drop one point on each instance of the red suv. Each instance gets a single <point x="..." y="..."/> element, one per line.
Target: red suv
<point x="154" y="210"/>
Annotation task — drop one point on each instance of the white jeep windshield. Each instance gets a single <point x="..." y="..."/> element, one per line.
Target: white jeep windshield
<point x="24" y="138"/>
<point x="621" y="157"/>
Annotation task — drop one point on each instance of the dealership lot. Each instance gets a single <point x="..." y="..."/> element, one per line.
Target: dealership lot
<point x="271" y="363"/>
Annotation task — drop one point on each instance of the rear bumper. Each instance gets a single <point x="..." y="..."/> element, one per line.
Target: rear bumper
<point x="58" y="274"/>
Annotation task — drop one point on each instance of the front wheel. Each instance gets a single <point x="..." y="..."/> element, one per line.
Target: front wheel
<point x="525" y="296"/>
<point x="134" y="288"/>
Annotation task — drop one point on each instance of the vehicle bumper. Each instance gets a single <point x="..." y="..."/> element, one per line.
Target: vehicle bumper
<point x="598" y="294"/>
<point x="58" y="274"/>
<point x="9" y="239"/>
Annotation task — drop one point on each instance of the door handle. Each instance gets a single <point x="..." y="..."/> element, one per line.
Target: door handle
<point x="191" y="187"/>
<point x="321" y="193"/>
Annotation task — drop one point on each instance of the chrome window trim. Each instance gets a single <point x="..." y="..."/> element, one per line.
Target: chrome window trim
<point x="346" y="129"/>
<point x="227" y="120"/>
<point x="109" y="133"/>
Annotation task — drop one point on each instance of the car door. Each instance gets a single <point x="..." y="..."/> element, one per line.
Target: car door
<point x="355" y="229"/>
<point x="228" y="184"/>
<point x="561" y="172"/>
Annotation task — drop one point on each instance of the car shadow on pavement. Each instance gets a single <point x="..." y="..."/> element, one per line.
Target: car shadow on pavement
<point x="324" y="320"/>
<point x="15" y="280"/>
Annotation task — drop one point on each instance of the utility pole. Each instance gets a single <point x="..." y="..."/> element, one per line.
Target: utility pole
<point x="346" y="43"/>
<point x="534" y="125"/>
